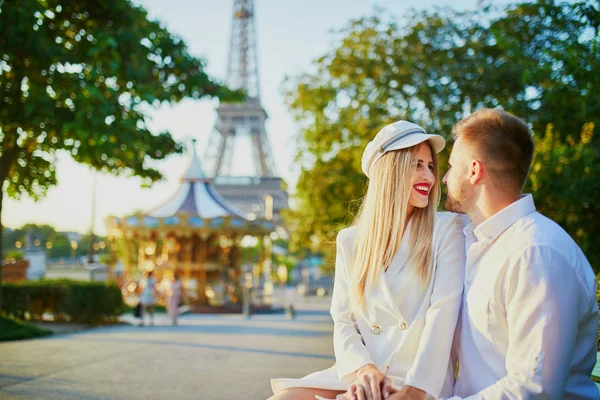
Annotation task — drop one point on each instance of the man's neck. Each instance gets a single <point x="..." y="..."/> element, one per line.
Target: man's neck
<point x="489" y="204"/>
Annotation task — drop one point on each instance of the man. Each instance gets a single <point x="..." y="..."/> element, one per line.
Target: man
<point x="529" y="320"/>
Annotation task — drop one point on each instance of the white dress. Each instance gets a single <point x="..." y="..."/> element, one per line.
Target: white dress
<point x="148" y="298"/>
<point x="407" y="327"/>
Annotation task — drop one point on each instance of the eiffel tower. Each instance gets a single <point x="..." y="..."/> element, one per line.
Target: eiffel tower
<point x="249" y="193"/>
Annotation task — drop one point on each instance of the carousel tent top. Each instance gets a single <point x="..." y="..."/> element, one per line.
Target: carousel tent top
<point x="197" y="196"/>
<point x="196" y="205"/>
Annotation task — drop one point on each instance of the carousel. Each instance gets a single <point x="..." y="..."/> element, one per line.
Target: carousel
<point x="197" y="235"/>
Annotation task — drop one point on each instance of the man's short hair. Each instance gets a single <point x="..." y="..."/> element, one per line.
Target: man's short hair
<point x="502" y="141"/>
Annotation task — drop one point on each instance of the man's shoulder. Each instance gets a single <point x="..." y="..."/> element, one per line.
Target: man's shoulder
<point x="536" y="229"/>
<point x="538" y="235"/>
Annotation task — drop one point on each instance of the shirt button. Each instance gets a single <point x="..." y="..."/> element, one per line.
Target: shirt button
<point x="403" y="325"/>
<point x="375" y="330"/>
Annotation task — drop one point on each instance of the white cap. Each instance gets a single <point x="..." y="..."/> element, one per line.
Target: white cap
<point x="396" y="136"/>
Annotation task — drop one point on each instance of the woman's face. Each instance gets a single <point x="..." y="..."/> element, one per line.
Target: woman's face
<point x="422" y="179"/>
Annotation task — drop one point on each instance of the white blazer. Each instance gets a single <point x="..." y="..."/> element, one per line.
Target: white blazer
<point x="407" y="327"/>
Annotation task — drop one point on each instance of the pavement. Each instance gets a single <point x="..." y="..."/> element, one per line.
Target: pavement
<point x="204" y="357"/>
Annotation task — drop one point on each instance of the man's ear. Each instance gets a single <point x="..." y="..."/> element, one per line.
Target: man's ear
<point x="476" y="170"/>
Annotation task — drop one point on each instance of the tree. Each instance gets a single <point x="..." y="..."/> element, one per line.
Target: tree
<point x="564" y="180"/>
<point x="42" y="233"/>
<point x="538" y="60"/>
<point x="79" y="76"/>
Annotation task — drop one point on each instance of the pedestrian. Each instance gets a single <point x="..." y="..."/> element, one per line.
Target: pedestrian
<point x="174" y="299"/>
<point x="148" y="298"/>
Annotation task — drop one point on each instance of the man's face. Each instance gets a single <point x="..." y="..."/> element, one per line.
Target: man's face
<point x="457" y="179"/>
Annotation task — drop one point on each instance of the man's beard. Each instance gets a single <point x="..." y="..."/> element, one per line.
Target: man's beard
<point x="455" y="204"/>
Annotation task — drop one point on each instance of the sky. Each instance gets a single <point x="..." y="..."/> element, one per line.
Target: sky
<point x="291" y="35"/>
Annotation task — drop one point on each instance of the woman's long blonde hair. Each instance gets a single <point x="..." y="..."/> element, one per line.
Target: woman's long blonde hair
<point x="383" y="218"/>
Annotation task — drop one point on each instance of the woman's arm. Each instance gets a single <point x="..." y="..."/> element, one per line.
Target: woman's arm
<point x="431" y="363"/>
<point x="350" y="351"/>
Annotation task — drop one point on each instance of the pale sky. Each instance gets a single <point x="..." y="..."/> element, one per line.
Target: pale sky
<point x="291" y="34"/>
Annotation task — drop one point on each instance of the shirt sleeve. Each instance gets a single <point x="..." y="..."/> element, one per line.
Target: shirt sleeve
<point x="433" y="355"/>
<point x="350" y="350"/>
<point x="543" y="299"/>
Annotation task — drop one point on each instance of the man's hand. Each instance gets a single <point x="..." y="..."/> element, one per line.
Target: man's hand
<point x="408" y="393"/>
<point x="370" y="384"/>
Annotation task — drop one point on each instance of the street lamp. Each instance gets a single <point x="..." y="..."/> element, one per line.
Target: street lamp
<point x="73" y="248"/>
<point x="18" y="244"/>
<point x="48" y="248"/>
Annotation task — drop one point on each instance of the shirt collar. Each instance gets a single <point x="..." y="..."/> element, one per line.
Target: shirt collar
<point x="489" y="229"/>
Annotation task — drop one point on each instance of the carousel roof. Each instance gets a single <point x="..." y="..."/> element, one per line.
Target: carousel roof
<point x="197" y="196"/>
<point x="196" y="206"/>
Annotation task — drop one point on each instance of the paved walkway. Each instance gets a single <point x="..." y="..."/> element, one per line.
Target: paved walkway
<point x="205" y="357"/>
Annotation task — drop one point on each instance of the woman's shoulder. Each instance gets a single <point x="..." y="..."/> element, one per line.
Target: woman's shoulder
<point x="345" y="237"/>
<point x="446" y="220"/>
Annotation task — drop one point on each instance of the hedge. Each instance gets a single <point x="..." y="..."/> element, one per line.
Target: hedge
<point x="64" y="300"/>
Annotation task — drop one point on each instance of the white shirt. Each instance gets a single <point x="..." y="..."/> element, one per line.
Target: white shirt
<point x="529" y="318"/>
<point x="407" y="327"/>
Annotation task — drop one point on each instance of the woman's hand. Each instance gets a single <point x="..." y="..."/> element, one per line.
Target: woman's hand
<point x="370" y="384"/>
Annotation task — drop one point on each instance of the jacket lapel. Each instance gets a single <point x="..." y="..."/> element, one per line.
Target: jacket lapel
<point x="379" y="297"/>
<point x="383" y="294"/>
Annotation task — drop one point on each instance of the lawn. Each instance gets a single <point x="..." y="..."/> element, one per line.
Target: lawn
<point x="13" y="329"/>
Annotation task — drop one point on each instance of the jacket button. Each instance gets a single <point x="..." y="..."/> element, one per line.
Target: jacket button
<point x="403" y="325"/>
<point x="375" y="330"/>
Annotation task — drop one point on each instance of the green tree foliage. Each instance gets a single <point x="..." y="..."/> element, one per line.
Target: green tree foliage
<point x="80" y="76"/>
<point x="538" y="60"/>
<point x="566" y="184"/>
<point x="42" y="233"/>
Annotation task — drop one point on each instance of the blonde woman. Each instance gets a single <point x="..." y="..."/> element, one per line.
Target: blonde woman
<point x="398" y="281"/>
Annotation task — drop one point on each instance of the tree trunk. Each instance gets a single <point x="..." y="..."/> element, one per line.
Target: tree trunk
<point x="6" y="160"/>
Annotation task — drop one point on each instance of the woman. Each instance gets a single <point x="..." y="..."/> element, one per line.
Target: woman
<point x="148" y="298"/>
<point x="174" y="298"/>
<point x="398" y="280"/>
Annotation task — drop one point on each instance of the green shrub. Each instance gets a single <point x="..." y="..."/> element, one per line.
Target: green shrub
<point x="86" y="302"/>
<point x="16" y="255"/>
<point x="12" y="329"/>
<point x="93" y="302"/>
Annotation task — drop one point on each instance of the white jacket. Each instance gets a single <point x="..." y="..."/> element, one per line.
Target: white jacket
<point x="407" y="328"/>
